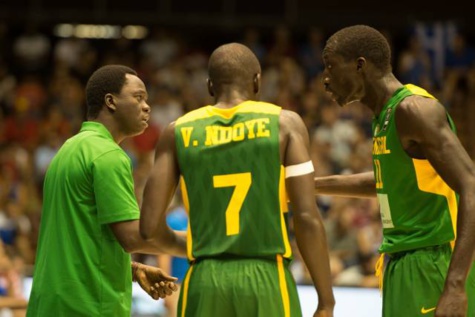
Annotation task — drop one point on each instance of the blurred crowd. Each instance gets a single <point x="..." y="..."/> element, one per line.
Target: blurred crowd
<point x="42" y="102"/>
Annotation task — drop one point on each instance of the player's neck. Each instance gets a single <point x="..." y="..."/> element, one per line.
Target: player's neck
<point x="232" y="99"/>
<point x="381" y="92"/>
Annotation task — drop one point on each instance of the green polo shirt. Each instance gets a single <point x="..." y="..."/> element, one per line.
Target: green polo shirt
<point x="81" y="269"/>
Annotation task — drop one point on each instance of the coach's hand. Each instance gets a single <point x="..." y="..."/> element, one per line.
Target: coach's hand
<point x="154" y="281"/>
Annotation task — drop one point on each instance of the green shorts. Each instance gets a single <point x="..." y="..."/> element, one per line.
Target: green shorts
<point x="414" y="280"/>
<point x="239" y="287"/>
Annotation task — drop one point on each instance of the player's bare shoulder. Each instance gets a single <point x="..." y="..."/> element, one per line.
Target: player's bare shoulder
<point x="169" y="131"/>
<point x="294" y="138"/>
<point x="167" y="139"/>
<point x="291" y="121"/>
<point x="420" y="108"/>
<point x="418" y="117"/>
<point x="292" y="131"/>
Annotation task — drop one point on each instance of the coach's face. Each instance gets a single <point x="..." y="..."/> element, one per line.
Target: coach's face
<point x="132" y="111"/>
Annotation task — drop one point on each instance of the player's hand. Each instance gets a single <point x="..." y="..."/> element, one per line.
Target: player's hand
<point x="155" y="282"/>
<point x="452" y="303"/>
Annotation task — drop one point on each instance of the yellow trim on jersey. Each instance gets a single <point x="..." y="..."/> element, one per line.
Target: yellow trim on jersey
<point x="429" y="181"/>
<point x="186" y="203"/>
<point x="245" y="107"/>
<point x="282" y="193"/>
<point x="416" y="90"/>
<point x="185" y="287"/>
<point x="379" y="271"/>
<point x="283" y="209"/>
<point x="283" y="286"/>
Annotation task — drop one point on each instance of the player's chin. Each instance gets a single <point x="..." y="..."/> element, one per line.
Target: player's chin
<point x="342" y="102"/>
<point x="338" y="101"/>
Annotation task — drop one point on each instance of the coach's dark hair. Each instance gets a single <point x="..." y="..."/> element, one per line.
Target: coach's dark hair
<point x="361" y="41"/>
<point x="107" y="79"/>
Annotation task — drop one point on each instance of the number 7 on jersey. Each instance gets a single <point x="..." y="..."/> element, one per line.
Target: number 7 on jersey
<point x="241" y="183"/>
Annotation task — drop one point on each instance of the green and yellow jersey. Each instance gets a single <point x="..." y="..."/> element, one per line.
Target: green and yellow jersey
<point x="232" y="181"/>
<point x="418" y="209"/>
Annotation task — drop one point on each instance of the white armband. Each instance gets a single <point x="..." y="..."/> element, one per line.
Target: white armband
<point x="299" y="169"/>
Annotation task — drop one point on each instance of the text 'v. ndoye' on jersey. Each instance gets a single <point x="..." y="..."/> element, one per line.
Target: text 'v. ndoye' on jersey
<point x="233" y="182"/>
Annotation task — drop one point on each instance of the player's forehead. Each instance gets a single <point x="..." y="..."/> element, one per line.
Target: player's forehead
<point x="330" y="55"/>
<point x="331" y="46"/>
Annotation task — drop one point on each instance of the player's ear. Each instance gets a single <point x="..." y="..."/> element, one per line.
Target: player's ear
<point x="257" y="83"/>
<point x="110" y="102"/>
<point x="210" y="87"/>
<point x="360" y="62"/>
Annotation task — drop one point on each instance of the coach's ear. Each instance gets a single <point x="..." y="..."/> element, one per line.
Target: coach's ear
<point x="210" y="87"/>
<point x="110" y="102"/>
<point x="257" y="82"/>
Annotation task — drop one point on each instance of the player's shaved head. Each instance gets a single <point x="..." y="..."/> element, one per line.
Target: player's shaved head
<point x="233" y="64"/>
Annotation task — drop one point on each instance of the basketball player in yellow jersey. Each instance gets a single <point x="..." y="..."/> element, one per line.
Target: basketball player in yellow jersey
<point x="423" y="178"/>
<point x="236" y="159"/>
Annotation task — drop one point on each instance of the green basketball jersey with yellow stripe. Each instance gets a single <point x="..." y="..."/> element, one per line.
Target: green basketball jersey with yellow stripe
<point x="232" y="181"/>
<point x="418" y="209"/>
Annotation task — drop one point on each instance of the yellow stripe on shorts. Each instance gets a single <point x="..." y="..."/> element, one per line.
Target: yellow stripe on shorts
<point x="184" y="298"/>
<point x="283" y="286"/>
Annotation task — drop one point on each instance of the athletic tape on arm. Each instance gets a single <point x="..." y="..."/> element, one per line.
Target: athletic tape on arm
<point x="299" y="169"/>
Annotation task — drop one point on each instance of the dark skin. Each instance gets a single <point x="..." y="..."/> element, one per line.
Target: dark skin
<point x="158" y="283"/>
<point x="294" y="149"/>
<point x="424" y="134"/>
<point x="125" y="115"/>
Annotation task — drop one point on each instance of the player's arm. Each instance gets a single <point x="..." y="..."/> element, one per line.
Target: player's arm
<point x="424" y="124"/>
<point x="128" y="235"/>
<point x="12" y="302"/>
<point x="309" y="230"/>
<point x="361" y="185"/>
<point x="158" y="194"/>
